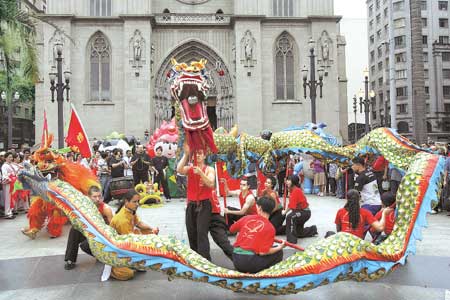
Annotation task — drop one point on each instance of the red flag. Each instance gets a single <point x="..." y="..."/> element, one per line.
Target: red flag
<point x="44" y="139"/>
<point x="76" y="136"/>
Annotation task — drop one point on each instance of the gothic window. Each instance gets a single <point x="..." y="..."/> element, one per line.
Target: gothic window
<point x="283" y="8"/>
<point x="100" y="8"/>
<point x="284" y="68"/>
<point x="100" y="68"/>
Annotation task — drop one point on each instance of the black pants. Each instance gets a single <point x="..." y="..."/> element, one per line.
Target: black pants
<point x="198" y="219"/>
<point x="295" y="221"/>
<point x="332" y="184"/>
<point x="277" y="219"/>
<point x="75" y="240"/>
<point x="140" y="176"/>
<point x="161" y="180"/>
<point x="281" y="177"/>
<point x="394" y="186"/>
<point x="218" y="230"/>
<point x="255" y="263"/>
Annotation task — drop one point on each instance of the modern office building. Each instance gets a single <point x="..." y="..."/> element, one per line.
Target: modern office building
<point x="389" y="32"/>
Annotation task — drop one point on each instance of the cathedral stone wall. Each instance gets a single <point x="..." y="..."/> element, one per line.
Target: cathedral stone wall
<point x="243" y="42"/>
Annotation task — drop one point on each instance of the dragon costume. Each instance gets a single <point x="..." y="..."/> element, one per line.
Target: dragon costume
<point x="340" y="257"/>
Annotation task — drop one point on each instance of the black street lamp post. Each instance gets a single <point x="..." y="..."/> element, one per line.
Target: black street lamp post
<point x="366" y="101"/>
<point x="312" y="83"/>
<point x="355" y="110"/>
<point x="10" y="102"/>
<point x="59" y="87"/>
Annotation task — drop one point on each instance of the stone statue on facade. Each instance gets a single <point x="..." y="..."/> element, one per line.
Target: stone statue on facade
<point x="325" y="58"/>
<point x="248" y="43"/>
<point x="137" y="51"/>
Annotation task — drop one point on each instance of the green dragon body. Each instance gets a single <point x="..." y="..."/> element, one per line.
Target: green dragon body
<point x="340" y="257"/>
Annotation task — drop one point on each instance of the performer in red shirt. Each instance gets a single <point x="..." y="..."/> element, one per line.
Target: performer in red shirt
<point x="200" y="184"/>
<point x="276" y="217"/>
<point x="246" y="199"/>
<point x="253" y="249"/>
<point x="388" y="201"/>
<point x="353" y="219"/>
<point x="298" y="212"/>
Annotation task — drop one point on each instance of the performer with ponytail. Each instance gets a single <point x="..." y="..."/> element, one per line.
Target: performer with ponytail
<point x="353" y="219"/>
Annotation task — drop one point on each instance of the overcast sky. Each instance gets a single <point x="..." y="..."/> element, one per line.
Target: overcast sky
<point x="354" y="28"/>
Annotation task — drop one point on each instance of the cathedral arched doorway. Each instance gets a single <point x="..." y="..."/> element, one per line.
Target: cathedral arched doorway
<point x="220" y="99"/>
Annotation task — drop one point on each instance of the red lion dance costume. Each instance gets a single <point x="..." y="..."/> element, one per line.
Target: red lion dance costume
<point x="189" y="87"/>
<point x="42" y="212"/>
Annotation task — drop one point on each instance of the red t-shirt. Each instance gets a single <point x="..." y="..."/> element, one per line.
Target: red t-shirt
<point x="252" y="209"/>
<point x="196" y="189"/>
<point x="256" y="234"/>
<point x="297" y="199"/>
<point x="271" y="194"/>
<point x="380" y="164"/>
<point x="388" y="221"/>
<point x="365" y="218"/>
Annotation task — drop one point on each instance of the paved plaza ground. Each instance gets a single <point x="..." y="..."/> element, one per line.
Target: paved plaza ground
<point x="34" y="269"/>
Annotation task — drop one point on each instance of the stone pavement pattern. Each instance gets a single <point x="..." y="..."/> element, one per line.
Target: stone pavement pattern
<point x="34" y="269"/>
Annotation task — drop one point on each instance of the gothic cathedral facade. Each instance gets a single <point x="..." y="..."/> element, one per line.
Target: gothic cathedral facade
<point x="119" y="54"/>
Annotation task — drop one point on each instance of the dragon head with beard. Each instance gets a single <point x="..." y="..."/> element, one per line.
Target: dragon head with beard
<point x="189" y="87"/>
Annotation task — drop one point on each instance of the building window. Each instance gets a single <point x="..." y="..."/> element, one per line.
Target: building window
<point x="429" y="126"/>
<point x="446" y="73"/>
<point x="399" y="41"/>
<point x="100" y="8"/>
<point x="447" y="107"/>
<point x="402" y="91"/>
<point x="372" y="70"/>
<point x="379" y="34"/>
<point x="443" y="39"/>
<point x="385" y="12"/>
<point x="443" y="23"/>
<point x="402" y="108"/>
<point x="100" y="68"/>
<point x="424" y="5"/>
<point x="372" y="39"/>
<point x="380" y="51"/>
<point x="403" y="127"/>
<point x="445" y="56"/>
<point x="398" y="6"/>
<point x="425" y="74"/>
<point x="380" y="66"/>
<point x="443" y="5"/>
<point x="378" y="19"/>
<point x="372" y="85"/>
<point x="425" y="57"/>
<point x="446" y="90"/>
<point x="374" y="115"/>
<point x="380" y="81"/>
<point x="446" y="126"/>
<point x="400" y="74"/>
<point x="424" y="22"/>
<point x="372" y="56"/>
<point x="284" y="65"/>
<point x="283" y="8"/>
<point x="427" y="91"/>
<point x="377" y="4"/>
<point x="424" y="40"/>
<point x="370" y="10"/>
<point x="400" y="57"/>
<point x="399" y="23"/>
<point x="371" y="24"/>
